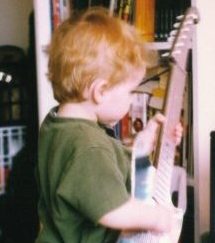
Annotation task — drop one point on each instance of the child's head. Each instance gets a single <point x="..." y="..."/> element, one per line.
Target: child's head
<point x="94" y="45"/>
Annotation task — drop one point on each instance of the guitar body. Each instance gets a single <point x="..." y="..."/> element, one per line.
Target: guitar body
<point x="145" y="175"/>
<point x="153" y="183"/>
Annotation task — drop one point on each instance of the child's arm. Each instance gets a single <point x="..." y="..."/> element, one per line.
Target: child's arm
<point x="139" y="215"/>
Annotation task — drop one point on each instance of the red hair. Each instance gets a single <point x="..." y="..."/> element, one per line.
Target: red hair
<point x="95" y="45"/>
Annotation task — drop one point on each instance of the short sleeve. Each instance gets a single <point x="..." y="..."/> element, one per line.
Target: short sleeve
<point x="94" y="184"/>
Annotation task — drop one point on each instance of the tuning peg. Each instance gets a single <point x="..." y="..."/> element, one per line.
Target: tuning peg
<point x="165" y="54"/>
<point x="188" y="22"/>
<point x="173" y="33"/>
<point x="180" y="17"/>
<point x="171" y="39"/>
<point x="193" y="19"/>
<point x="185" y="29"/>
<point x="179" y="44"/>
<point x="193" y="13"/>
<point x="183" y="37"/>
<point x="193" y="16"/>
<point x="176" y="52"/>
<point x="176" y="25"/>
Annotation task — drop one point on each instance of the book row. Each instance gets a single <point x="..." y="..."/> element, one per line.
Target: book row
<point x="153" y="18"/>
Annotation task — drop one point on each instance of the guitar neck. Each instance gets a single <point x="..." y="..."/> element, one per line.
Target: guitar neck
<point x="165" y="153"/>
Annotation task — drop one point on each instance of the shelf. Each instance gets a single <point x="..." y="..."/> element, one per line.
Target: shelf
<point x="159" y="45"/>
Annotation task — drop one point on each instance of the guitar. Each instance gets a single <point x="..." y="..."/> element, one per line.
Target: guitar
<point x="165" y="152"/>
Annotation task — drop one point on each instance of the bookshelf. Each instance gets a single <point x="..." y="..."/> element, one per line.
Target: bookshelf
<point x="203" y="93"/>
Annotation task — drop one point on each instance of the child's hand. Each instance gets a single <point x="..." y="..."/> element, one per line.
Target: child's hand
<point x="145" y="141"/>
<point x="164" y="217"/>
<point x="168" y="220"/>
<point x="178" y="132"/>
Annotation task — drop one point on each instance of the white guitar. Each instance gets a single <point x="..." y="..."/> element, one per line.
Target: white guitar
<point x="165" y="152"/>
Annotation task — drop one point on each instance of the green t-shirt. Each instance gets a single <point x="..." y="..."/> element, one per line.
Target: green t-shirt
<point x="82" y="175"/>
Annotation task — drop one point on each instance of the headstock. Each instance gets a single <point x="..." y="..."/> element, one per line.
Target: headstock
<point x="181" y="37"/>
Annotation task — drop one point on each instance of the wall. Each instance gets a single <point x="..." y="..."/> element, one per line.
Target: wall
<point x="204" y="111"/>
<point x="14" y="22"/>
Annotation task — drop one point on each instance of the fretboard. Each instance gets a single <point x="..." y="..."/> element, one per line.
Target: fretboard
<point x="165" y="152"/>
<point x="166" y="147"/>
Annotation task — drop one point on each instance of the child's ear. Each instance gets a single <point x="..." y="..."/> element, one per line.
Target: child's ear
<point x="98" y="89"/>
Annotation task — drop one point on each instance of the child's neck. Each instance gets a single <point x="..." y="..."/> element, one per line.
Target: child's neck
<point x="77" y="110"/>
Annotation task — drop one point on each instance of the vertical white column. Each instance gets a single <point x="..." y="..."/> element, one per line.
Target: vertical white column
<point x="203" y="111"/>
<point x="43" y="35"/>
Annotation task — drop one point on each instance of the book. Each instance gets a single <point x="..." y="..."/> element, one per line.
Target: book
<point x="125" y="129"/>
<point x="138" y="111"/>
<point x="104" y="3"/>
<point x="60" y="11"/>
<point x="136" y="118"/>
<point x="124" y="9"/>
<point x="55" y="13"/>
<point x="166" y="12"/>
<point x="144" y="18"/>
<point x="79" y="5"/>
<point x="65" y="9"/>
